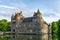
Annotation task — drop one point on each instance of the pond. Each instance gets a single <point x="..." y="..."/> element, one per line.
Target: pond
<point x="26" y="37"/>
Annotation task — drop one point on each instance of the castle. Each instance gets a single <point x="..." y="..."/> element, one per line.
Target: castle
<point x="34" y="24"/>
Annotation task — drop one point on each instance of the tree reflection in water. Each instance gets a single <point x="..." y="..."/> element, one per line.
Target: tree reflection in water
<point x="5" y="37"/>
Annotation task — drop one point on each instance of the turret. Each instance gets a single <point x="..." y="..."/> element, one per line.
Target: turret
<point x="12" y="17"/>
<point x="20" y="15"/>
<point x="38" y="14"/>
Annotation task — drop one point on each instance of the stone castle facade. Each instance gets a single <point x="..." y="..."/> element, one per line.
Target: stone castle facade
<point x="34" y="24"/>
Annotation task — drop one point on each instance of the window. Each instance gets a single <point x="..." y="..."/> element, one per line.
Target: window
<point x="13" y="30"/>
<point x="30" y="30"/>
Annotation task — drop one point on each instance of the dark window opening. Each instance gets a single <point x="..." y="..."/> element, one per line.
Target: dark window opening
<point x="13" y="30"/>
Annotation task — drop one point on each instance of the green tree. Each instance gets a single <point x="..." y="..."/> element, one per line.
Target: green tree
<point x="54" y="31"/>
<point x="5" y="25"/>
<point x="54" y="27"/>
<point x="8" y="26"/>
<point x="58" y="26"/>
<point x="59" y="29"/>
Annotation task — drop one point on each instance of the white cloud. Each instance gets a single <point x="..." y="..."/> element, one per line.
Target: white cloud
<point x="4" y="17"/>
<point x="4" y="13"/>
<point x="50" y="19"/>
<point x="9" y="7"/>
<point x="49" y="14"/>
<point x="52" y="13"/>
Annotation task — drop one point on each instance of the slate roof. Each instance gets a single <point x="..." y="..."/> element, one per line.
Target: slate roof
<point x="29" y="19"/>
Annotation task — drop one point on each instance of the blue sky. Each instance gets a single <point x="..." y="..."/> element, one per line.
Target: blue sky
<point x="50" y="9"/>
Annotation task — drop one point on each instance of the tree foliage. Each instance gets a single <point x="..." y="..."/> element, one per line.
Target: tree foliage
<point x="5" y="25"/>
<point x="56" y="30"/>
<point x="58" y="26"/>
<point x="54" y="27"/>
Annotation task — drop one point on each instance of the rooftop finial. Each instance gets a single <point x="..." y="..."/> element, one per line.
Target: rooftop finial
<point x="38" y="11"/>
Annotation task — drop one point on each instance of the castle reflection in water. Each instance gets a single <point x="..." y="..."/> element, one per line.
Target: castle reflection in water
<point x="31" y="37"/>
<point x="26" y="37"/>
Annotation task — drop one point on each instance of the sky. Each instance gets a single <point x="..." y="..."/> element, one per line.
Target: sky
<point x="50" y="9"/>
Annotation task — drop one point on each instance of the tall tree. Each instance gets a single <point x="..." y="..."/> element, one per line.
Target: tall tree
<point x="54" y="31"/>
<point x="54" y="27"/>
<point x="58" y="29"/>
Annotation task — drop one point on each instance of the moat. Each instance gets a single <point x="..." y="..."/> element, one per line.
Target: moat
<point x="25" y="37"/>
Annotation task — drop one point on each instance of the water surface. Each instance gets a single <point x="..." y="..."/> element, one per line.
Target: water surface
<point x="25" y="37"/>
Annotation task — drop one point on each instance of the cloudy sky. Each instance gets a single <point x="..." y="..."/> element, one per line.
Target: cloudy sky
<point x="50" y="9"/>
